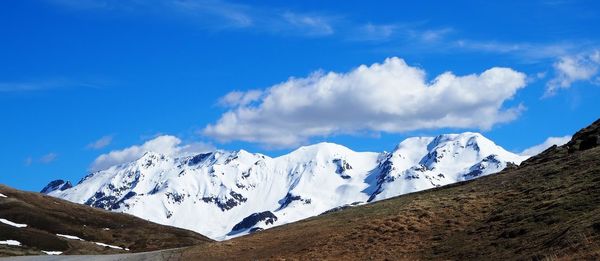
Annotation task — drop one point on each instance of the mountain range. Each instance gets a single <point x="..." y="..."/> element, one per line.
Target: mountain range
<point x="225" y="194"/>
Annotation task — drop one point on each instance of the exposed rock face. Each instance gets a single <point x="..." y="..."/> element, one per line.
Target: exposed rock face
<point x="342" y="167"/>
<point x="254" y="219"/>
<point x="54" y="185"/>
<point x="586" y="138"/>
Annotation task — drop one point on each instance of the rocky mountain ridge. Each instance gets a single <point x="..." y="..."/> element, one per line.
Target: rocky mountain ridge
<point x="224" y="194"/>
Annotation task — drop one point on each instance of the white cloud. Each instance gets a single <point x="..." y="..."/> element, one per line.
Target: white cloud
<point x="23" y="86"/>
<point x="404" y="32"/>
<point x="311" y="24"/>
<point x="100" y="143"/>
<point x="49" y="84"/>
<point x="573" y="68"/>
<point x="237" y="98"/>
<point x="496" y="47"/>
<point x="217" y="14"/>
<point x="375" y="32"/>
<point x="50" y="157"/>
<point x="433" y="35"/>
<point x="389" y="97"/>
<point x="45" y="159"/>
<point x="549" y="142"/>
<point x="528" y="52"/>
<point x="164" y="144"/>
<point x="232" y="15"/>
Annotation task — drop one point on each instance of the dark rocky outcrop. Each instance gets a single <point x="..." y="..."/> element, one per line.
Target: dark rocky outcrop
<point x="586" y="138"/>
<point x="55" y="185"/>
<point x="227" y="203"/>
<point x="289" y="198"/>
<point x="342" y="166"/>
<point x="198" y="158"/>
<point x="267" y="216"/>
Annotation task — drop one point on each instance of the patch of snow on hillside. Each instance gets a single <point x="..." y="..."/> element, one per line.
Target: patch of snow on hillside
<point x="10" y="242"/>
<point x="70" y="237"/>
<point x="111" y="246"/>
<point x="10" y="223"/>
<point x="52" y="253"/>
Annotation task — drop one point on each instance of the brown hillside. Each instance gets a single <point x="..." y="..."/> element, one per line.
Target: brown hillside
<point x="47" y="216"/>
<point x="548" y="208"/>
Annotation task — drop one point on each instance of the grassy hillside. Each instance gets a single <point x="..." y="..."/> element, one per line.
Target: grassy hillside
<point x="47" y="216"/>
<point x="549" y="207"/>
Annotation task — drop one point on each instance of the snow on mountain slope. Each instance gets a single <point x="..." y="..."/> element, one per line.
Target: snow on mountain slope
<point x="447" y="159"/>
<point x="224" y="194"/>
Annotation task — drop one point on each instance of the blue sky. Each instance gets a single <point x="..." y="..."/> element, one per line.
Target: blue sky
<point x="79" y="79"/>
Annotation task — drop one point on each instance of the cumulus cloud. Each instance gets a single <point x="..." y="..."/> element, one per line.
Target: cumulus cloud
<point x="573" y="68"/>
<point x="388" y="97"/>
<point x="164" y="144"/>
<point x="549" y="142"/>
<point x="100" y="143"/>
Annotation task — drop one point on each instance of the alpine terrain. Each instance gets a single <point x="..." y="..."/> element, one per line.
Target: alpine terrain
<point x="545" y="209"/>
<point x="225" y="194"/>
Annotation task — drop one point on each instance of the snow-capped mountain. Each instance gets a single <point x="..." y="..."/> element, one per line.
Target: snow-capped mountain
<point x="424" y="162"/>
<point x="224" y="194"/>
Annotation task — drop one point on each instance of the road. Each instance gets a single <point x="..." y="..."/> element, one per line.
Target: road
<point x="162" y="255"/>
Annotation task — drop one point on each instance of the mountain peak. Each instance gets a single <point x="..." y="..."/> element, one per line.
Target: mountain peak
<point x="153" y="155"/>
<point x="473" y="141"/>
<point x="324" y="145"/>
<point x="471" y="137"/>
<point x="321" y="149"/>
